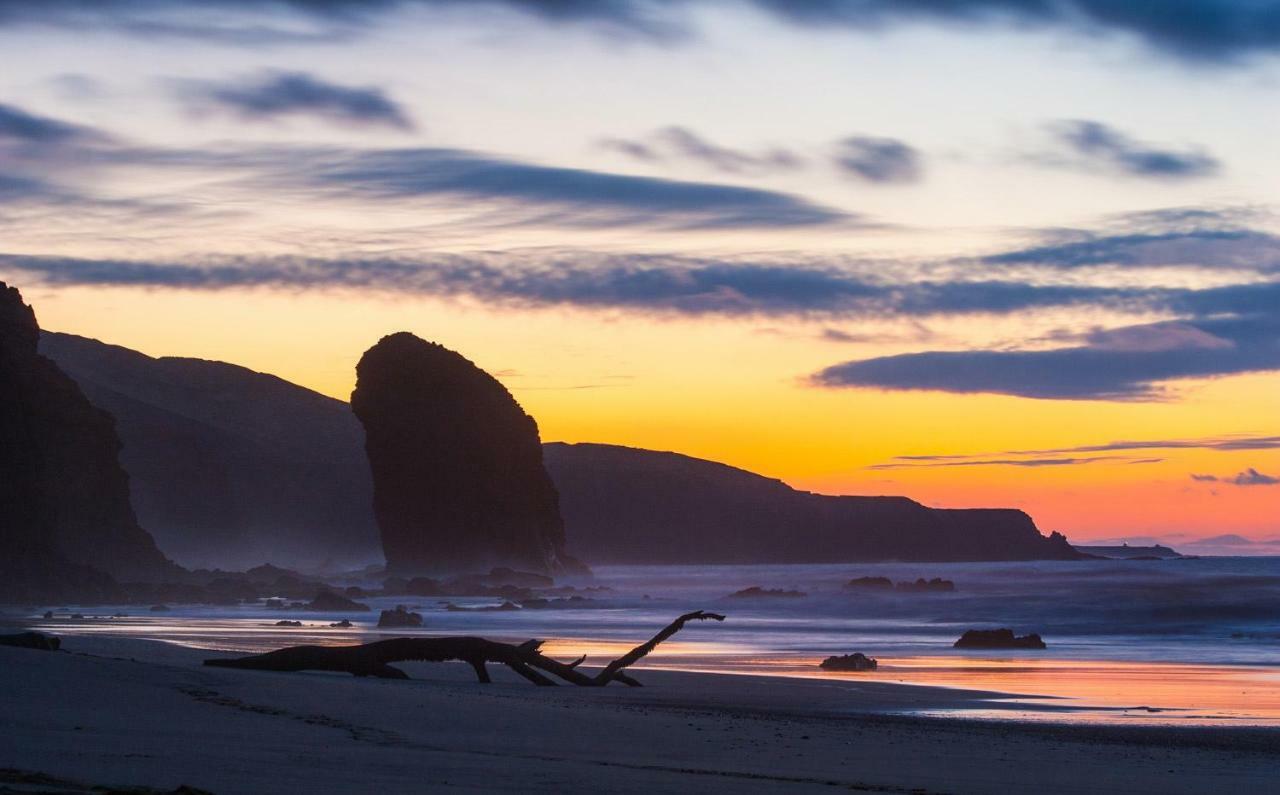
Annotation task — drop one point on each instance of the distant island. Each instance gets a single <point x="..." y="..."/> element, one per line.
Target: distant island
<point x="1127" y="552"/>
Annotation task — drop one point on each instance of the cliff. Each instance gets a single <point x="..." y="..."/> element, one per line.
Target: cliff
<point x="65" y="515"/>
<point x="204" y="442"/>
<point x="624" y="505"/>
<point x="231" y="467"/>
<point x="458" y="479"/>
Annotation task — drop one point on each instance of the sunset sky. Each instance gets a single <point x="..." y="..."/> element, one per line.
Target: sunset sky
<point x="978" y="252"/>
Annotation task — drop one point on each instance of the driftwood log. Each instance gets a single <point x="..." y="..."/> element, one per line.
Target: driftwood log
<point x="31" y="640"/>
<point x="526" y="659"/>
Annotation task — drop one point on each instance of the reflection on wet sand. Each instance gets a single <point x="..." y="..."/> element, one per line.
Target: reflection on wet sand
<point x="1045" y="688"/>
<point x="1081" y="690"/>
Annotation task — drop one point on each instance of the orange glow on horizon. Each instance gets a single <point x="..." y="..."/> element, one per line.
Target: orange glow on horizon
<point x="733" y="390"/>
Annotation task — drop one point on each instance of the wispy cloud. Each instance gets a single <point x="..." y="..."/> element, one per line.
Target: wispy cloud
<point x="917" y="332"/>
<point x="878" y="160"/>
<point x="1249" y="477"/>
<point x="1094" y="146"/>
<point x="677" y="142"/>
<point x="1217" y="249"/>
<point x="1084" y="452"/>
<point x="20" y="127"/>
<point x="1235" y="238"/>
<point x="1031" y="463"/>
<point x="1221" y="443"/>
<point x="23" y="189"/>
<point x="275" y="95"/>
<point x="503" y="190"/>
<point x="574" y="196"/>
<point x="869" y="159"/>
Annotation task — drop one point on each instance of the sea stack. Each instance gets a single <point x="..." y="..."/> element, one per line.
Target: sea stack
<point x="458" y="480"/>
<point x="65" y="516"/>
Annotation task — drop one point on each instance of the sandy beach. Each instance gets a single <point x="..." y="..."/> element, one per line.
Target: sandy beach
<point x="120" y="713"/>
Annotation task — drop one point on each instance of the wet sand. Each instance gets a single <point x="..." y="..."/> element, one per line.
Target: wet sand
<point x="123" y="712"/>
<point x="1048" y="687"/>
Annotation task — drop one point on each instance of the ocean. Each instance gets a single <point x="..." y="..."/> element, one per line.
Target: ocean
<point x="1152" y="641"/>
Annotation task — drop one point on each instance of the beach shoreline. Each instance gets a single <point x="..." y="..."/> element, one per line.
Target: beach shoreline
<point x="1169" y="675"/>
<point x="132" y="713"/>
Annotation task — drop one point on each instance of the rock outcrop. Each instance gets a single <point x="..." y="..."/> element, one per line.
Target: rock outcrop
<point x="998" y="639"/>
<point x="400" y="618"/>
<point x="327" y="601"/>
<point x="756" y="592"/>
<point x="869" y="584"/>
<point x="850" y="662"/>
<point x="921" y="585"/>
<point x="458" y="479"/>
<point x="65" y="516"/>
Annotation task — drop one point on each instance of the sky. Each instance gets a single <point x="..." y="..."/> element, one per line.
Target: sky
<point x="978" y="252"/>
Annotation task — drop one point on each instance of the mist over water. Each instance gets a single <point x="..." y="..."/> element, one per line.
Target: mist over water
<point x="1198" y="637"/>
<point x="1173" y="611"/>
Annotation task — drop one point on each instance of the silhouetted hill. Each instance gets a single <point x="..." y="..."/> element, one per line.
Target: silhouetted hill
<point x="458" y="478"/>
<point x="229" y="467"/>
<point x="205" y="441"/>
<point x="625" y="505"/>
<point x="66" y="525"/>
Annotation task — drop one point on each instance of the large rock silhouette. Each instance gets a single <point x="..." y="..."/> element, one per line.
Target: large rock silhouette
<point x="65" y="516"/>
<point x="458" y="479"/>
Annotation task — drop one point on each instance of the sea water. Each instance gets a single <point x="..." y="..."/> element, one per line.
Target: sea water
<point x="1182" y="640"/>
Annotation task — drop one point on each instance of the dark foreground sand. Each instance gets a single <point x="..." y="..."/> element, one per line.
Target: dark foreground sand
<point x="127" y="713"/>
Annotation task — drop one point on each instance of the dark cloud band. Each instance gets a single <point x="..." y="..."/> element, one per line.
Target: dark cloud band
<point x="639" y="282"/>
<point x="693" y="286"/>
<point x="1192" y="30"/>
<point x="1100" y="370"/>
<point x="572" y="196"/>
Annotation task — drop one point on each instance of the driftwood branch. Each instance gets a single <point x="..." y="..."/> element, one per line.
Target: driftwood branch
<point x="639" y="652"/>
<point x="526" y="659"/>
